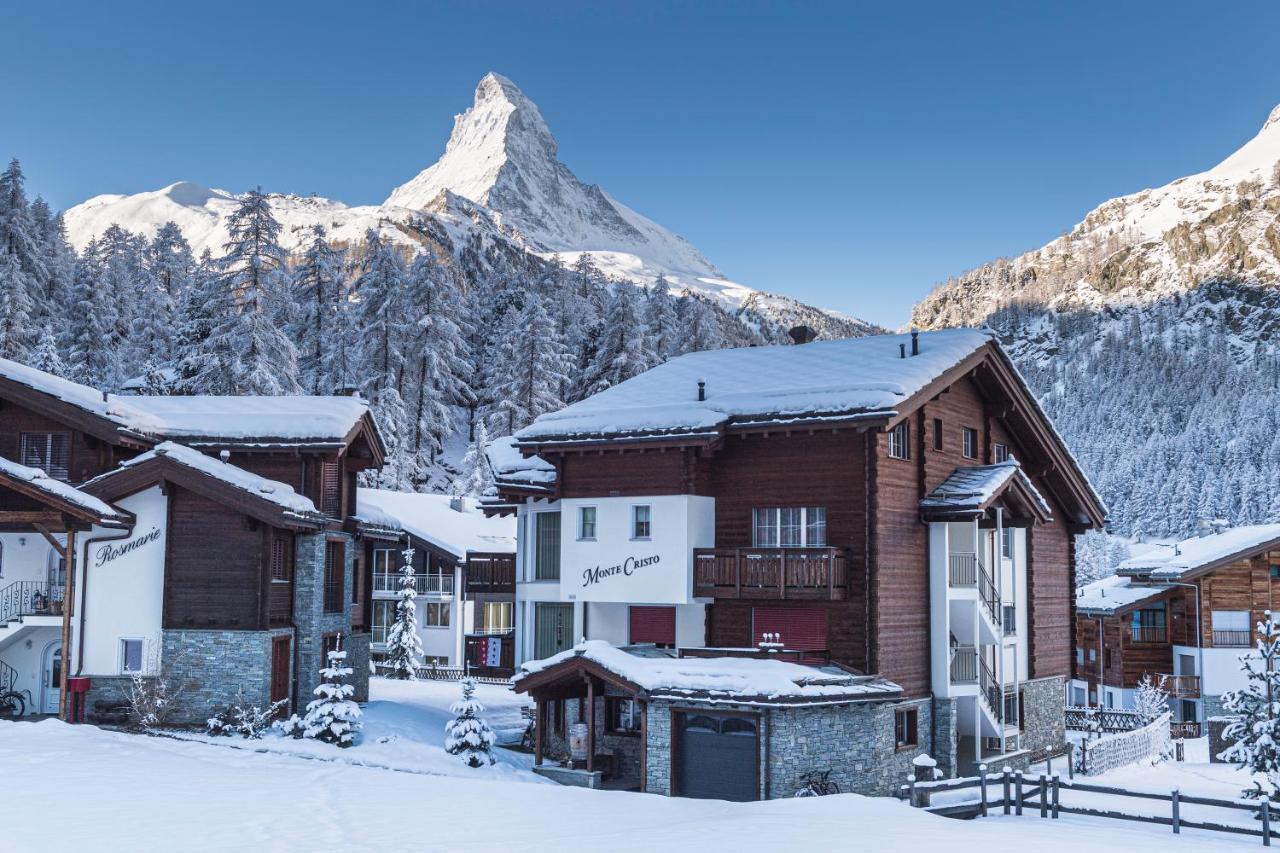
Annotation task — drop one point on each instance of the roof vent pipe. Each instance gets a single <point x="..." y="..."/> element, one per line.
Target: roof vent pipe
<point x="902" y="350"/>
<point x="224" y="455"/>
<point x="915" y="342"/>
<point x="702" y="390"/>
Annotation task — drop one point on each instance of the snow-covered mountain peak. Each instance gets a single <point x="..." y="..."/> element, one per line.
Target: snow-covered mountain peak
<point x="1273" y="119"/>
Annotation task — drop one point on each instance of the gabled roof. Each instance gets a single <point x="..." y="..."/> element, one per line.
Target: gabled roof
<point x="1202" y="554"/>
<point x="969" y="492"/>
<point x="740" y="680"/>
<point x="1112" y="596"/>
<point x="513" y="471"/>
<point x="245" y="421"/>
<point x="270" y="501"/>
<point x="39" y="486"/>
<point x="821" y="381"/>
<point x="433" y="519"/>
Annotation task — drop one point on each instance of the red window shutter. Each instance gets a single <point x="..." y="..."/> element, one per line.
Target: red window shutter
<point x="802" y="628"/>
<point x="653" y="625"/>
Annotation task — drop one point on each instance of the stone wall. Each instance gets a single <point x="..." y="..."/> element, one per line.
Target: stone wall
<point x="854" y="741"/>
<point x="624" y="748"/>
<point x="358" y="657"/>
<point x="1214" y="707"/>
<point x="946" y="739"/>
<point x="1044" y="727"/>
<point x="309" y="616"/>
<point x="215" y="668"/>
<point x="1216" y="728"/>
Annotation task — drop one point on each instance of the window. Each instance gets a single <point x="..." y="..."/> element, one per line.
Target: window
<point x="1009" y="619"/>
<point x="969" y="443"/>
<point x="335" y="570"/>
<point x="1013" y="709"/>
<point x="1077" y="696"/>
<point x="1231" y="628"/>
<point x="1275" y="572"/>
<point x="1" y="559"/>
<point x="280" y="568"/>
<point x="999" y="453"/>
<point x="546" y="544"/>
<point x="900" y="440"/>
<point x="384" y="616"/>
<point x="331" y="643"/>
<point x="906" y="727"/>
<point x="1148" y="625"/>
<point x="1006" y="542"/>
<point x="1108" y="661"/>
<point x="641" y="525"/>
<point x="937" y="433"/>
<point x="622" y="716"/>
<point x="435" y="614"/>
<point x="331" y="488"/>
<point x="1093" y="655"/>
<point x="1111" y="699"/>
<point x="1079" y="655"/>
<point x="789" y="527"/>
<point x="130" y="656"/>
<point x="586" y="522"/>
<point x="495" y="618"/>
<point x="49" y="451"/>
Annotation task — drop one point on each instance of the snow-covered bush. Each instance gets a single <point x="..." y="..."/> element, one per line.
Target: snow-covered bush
<point x="1255" y="732"/>
<point x="153" y="693"/>
<point x="467" y="735"/>
<point x="292" y="727"/>
<point x="1151" y="699"/>
<point x="404" y="649"/>
<point x="248" y="721"/>
<point x="332" y="716"/>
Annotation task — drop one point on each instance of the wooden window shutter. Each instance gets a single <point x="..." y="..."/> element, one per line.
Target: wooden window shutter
<point x="802" y="628"/>
<point x="335" y="553"/>
<point x="331" y="488"/>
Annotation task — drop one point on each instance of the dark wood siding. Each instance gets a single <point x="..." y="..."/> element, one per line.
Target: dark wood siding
<point x="215" y="568"/>
<point x="88" y="456"/>
<point x="624" y="474"/>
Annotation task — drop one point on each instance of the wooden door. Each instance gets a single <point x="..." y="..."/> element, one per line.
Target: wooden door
<point x="280" y="655"/>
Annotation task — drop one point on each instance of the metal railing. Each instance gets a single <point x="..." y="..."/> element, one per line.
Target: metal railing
<point x="429" y="584"/>
<point x="988" y="594"/>
<point x="1149" y="633"/>
<point x="962" y="569"/>
<point x="991" y="692"/>
<point x="964" y="665"/>
<point x="29" y="598"/>
<point x="776" y="573"/>
<point x="8" y="677"/>
<point x="966" y="570"/>
<point x="1232" y="639"/>
<point x="1181" y="686"/>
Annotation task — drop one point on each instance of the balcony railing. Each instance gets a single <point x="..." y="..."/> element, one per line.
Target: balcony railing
<point x="772" y="573"/>
<point x="491" y="573"/>
<point x="433" y="584"/>
<point x="962" y="569"/>
<point x="1232" y="639"/>
<point x="966" y="570"/>
<point x="29" y="598"/>
<point x="964" y="665"/>
<point x="1149" y="633"/>
<point x="1181" y="686"/>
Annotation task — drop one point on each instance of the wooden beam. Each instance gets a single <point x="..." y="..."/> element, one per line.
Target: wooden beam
<point x="591" y="724"/>
<point x="53" y="542"/>
<point x="539" y="724"/>
<point x="68" y="601"/>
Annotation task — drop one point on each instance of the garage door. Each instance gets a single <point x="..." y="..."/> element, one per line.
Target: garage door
<point x="717" y="757"/>
<point x="803" y="628"/>
<point x="653" y="625"/>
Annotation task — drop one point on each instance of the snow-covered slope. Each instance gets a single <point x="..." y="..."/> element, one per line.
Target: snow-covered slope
<point x="499" y="178"/>
<point x="1223" y="223"/>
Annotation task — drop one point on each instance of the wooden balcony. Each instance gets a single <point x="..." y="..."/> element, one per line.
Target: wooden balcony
<point x="1181" y="686"/>
<point x="1149" y="634"/>
<point x="493" y="574"/>
<point x="804" y="574"/>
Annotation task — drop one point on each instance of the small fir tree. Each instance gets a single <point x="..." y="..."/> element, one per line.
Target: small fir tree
<point x="332" y="716"/>
<point x="1151" y="698"/>
<point x="404" y="649"/>
<point x="1255" y="732"/>
<point x="467" y="735"/>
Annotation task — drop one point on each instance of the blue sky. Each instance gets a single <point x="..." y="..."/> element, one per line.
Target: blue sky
<point x="852" y="155"/>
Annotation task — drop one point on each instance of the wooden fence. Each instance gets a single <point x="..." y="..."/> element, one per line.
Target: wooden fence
<point x="1016" y="793"/>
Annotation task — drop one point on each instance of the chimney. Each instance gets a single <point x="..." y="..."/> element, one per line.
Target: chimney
<point x="802" y="334"/>
<point x="702" y="390"/>
<point x="456" y="504"/>
<point x="1203" y="527"/>
<point x="224" y="455"/>
<point x="915" y="342"/>
<point x="346" y="391"/>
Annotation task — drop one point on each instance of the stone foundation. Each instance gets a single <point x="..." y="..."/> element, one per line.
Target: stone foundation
<point x="946" y="741"/>
<point x="1044" y="728"/>
<point x="213" y="669"/>
<point x="1216" y="730"/>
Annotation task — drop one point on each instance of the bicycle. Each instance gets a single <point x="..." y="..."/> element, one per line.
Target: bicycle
<point x="817" y="783"/>
<point x="13" y="703"/>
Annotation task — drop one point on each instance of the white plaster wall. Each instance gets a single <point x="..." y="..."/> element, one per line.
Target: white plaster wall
<point x="1221" y="668"/>
<point x="25" y="557"/>
<point x="125" y="595"/>
<point x="529" y="590"/>
<point x="612" y="622"/>
<point x="26" y="655"/>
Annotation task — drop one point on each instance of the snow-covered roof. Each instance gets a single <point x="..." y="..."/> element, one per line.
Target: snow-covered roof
<point x="268" y="420"/>
<point x="1170" y="562"/>
<point x="511" y="468"/>
<point x="272" y="491"/>
<point x="433" y="519"/>
<point x="828" y="380"/>
<point x="69" y="494"/>
<point x="744" y="680"/>
<point x="1113" y="594"/>
<point x="971" y="489"/>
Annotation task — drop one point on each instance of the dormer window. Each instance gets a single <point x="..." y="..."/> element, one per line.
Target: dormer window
<point x="969" y="443"/>
<point x="48" y="451"/>
<point x="1000" y="453"/>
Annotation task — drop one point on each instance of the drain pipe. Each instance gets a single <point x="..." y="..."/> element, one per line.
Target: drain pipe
<point x="84" y="592"/>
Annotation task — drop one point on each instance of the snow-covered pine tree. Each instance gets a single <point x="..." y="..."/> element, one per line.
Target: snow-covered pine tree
<point x="15" y="309"/>
<point x="661" y="322"/>
<point x="383" y="323"/>
<point x="46" y="356"/>
<point x="477" y="479"/>
<point x="169" y="270"/>
<point x="319" y="288"/>
<point x="621" y="352"/>
<point x="195" y="323"/>
<point x="531" y="366"/>
<point x="404" y="648"/>
<point x="246" y="351"/>
<point x="1255" y="732"/>
<point x="468" y="735"/>
<point x="19" y="234"/>
<point x="1151" y="699"/>
<point x="332" y="716"/>
<point x="91" y="358"/>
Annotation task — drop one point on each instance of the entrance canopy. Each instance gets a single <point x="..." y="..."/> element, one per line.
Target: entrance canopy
<point x="31" y="499"/>
<point x="967" y="493"/>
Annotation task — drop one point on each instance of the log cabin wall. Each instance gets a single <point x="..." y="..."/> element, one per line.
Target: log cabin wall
<point x="215" y="566"/>
<point x="1243" y="585"/>
<point x="89" y="456"/>
<point x="627" y="474"/>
